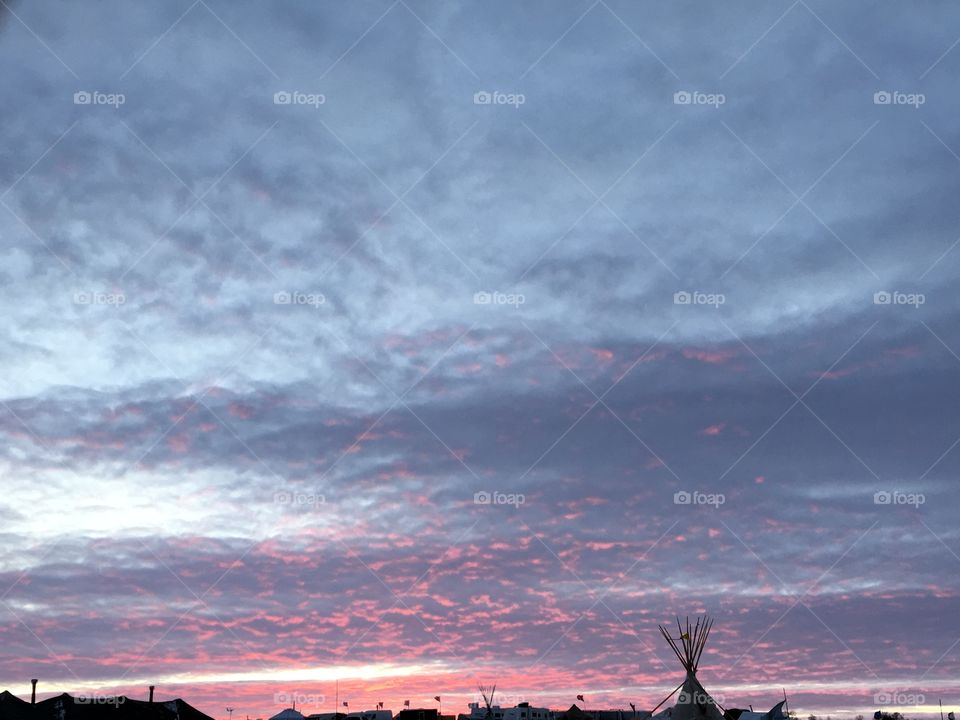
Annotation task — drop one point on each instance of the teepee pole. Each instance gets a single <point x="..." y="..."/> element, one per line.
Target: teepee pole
<point x="667" y="698"/>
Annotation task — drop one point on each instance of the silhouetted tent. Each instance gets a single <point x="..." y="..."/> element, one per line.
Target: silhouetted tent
<point x="693" y="702"/>
<point x="68" y="707"/>
<point x="575" y="713"/>
<point x="775" y="713"/>
<point x="288" y="714"/>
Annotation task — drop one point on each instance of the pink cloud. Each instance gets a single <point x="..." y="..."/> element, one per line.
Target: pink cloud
<point x="713" y="430"/>
<point x="712" y="357"/>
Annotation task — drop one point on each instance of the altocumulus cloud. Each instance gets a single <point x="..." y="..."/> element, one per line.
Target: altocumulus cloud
<point x="262" y="356"/>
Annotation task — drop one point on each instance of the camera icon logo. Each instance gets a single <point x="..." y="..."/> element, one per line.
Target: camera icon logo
<point x="882" y="97"/>
<point x="681" y="298"/>
<point x="682" y="97"/>
<point x="281" y="298"/>
<point x="82" y="98"/>
<point x="282" y="98"/>
<point x="481" y="498"/>
<point x="682" y="497"/>
<point x="882" y="498"/>
<point x="482" y="298"/>
<point x="882" y="298"/>
<point x="482" y="98"/>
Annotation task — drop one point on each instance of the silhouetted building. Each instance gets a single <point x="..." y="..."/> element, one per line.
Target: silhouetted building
<point x="575" y="713"/>
<point x="418" y="714"/>
<point x="68" y="707"/>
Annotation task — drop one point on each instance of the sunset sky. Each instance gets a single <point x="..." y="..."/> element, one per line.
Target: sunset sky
<point x="420" y="344"/>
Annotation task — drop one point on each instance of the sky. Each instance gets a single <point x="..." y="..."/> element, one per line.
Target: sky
<point x="367" y="351"/>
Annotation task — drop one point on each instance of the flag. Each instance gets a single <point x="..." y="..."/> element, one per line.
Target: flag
<point x="437" y="698"/>
<point x="346" y="704"/>
<point x="406" y="703"/>
<point x="633" y="707"/>
<point x="379" y="706"/>
<point x="580" y="698"/>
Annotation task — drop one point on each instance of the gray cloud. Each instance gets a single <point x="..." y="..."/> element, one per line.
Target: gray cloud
<point x="162" y="411"/>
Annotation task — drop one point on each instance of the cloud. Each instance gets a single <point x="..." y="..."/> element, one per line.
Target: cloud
<point x="416" y="386"/>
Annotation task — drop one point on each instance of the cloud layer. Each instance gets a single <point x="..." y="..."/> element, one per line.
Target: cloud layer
<point x="417" y="344"/>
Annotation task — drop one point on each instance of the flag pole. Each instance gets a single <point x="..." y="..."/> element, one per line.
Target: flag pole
<point x="941" y="708"/>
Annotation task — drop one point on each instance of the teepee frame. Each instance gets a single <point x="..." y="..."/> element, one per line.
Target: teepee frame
<point x="487" y="695"/>
<point x="689" y="646"/>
